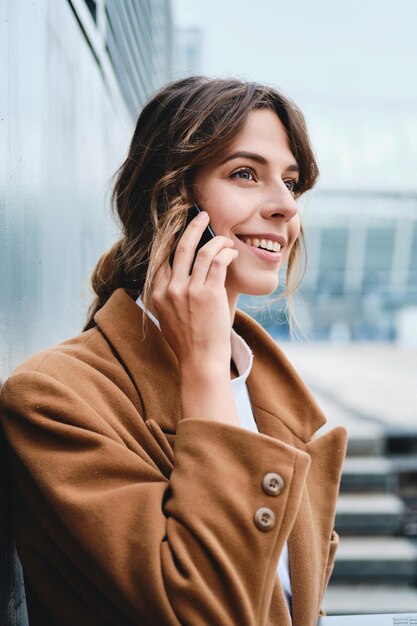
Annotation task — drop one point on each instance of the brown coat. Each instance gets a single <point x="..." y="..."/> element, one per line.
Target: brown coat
<point x="114" y="528"/>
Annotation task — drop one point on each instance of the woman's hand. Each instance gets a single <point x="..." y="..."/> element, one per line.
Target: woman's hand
<point x="193" y="310"/>
<point x="194" y="316"/>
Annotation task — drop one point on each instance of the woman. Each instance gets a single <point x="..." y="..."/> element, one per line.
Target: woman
<point x="152" y="489"/>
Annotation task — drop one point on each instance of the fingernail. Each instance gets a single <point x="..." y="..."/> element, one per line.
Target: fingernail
<point x="203" y="215"/>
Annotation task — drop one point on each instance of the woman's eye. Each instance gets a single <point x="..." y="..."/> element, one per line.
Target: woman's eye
<point x="291" y="184"/>
<point x="244" y="174"/>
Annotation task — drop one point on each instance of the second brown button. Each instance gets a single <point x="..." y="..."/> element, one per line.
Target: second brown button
<point x="264" y="519"/>
<point x="273" y="484"/>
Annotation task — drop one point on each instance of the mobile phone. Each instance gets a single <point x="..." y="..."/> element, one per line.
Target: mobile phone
<point x="205" y="237"/>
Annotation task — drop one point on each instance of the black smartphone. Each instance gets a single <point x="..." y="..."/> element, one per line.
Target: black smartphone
<point x="205" y="237"/>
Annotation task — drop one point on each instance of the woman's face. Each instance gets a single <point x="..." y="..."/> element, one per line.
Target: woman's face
<point x="249" y="196"/>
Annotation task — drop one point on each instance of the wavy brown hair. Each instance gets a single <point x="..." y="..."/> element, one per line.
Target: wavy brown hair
<point x="186" y="124"/>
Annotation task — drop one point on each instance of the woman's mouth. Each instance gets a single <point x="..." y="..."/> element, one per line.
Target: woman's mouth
<point x="264" y="244"/>
<point x="266" y="249"/>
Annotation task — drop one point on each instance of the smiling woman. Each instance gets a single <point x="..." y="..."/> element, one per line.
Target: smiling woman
<point x="166" y="466"/>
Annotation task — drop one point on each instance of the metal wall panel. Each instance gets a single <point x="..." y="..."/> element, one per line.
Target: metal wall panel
<point x="139" y="44"/>
<point x="62" y="135"/>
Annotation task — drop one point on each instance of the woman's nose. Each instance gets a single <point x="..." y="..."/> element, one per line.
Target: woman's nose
<point x="280" y="204"/>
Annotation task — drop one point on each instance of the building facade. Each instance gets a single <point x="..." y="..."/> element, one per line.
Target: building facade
<point x="75" y="76"/>
<point x="362" y="262"/>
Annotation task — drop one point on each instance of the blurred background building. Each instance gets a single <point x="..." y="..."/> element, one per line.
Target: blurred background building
<point x="187" y="51"/>
<point x="361" y="277"/>
<point x="137" y="39"/>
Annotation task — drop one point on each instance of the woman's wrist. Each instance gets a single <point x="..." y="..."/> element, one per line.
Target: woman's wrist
<point x="206" y="370"/>
<point x="208" y="395"/>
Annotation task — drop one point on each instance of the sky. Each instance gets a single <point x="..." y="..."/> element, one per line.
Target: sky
<point x="351" y="66"/>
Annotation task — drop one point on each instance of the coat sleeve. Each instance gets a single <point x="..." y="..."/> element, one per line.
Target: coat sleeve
<point x="183" y="550"/>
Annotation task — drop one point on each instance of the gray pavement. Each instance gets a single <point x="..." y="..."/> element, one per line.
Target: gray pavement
<point x="366" y="385"/>
<point x="367" y="599"/>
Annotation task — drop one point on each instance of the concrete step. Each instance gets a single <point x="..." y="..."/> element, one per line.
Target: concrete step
<point x="375" y="560"/>
<point x="368" y="474"/>
<point x="405" y="468"/>
<point x="401" y="442"/>
<point x="353" y="599"/>
<point x="369" y="514"/>
<point x="410" y="520"/>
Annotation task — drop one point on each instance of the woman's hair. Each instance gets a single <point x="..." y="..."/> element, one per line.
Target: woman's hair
<point x="185" y="125"/>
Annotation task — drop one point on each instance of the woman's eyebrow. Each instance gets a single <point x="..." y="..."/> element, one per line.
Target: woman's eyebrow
<point x="293" y="167"/>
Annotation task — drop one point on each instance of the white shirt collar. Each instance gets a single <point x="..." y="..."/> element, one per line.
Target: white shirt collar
<point x="241" y="353"/>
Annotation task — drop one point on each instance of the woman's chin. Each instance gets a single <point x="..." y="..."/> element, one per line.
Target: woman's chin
<point x="259" y="292"/>
<point x="255" y="287"/>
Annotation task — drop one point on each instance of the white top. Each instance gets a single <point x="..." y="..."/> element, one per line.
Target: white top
<point x="243" y="358"/>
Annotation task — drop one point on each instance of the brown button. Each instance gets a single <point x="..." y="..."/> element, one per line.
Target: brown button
<point x="264" y="519"/>
<point x="273" y="484"/>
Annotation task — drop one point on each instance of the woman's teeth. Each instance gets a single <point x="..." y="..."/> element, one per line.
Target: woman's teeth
<point x="267" y="244"/>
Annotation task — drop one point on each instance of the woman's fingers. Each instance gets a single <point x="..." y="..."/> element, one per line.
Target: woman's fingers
<point x="205" y="258"/>
<point x="185" y="251"/>
<point x="217" y="274"/>
<point x="178" y="277"/>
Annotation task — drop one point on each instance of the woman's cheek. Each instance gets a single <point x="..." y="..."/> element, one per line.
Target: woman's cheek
<point x="226" y="206"/>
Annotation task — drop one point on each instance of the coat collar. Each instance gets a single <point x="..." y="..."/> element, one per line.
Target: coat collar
<point x="274" y="387"/>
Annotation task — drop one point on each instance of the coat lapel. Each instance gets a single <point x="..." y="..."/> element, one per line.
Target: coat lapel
<point x="148" y="359"/>
<point x="284" y="408"/>
<point x="309" y="541"/>
<point x="274" y="386"/>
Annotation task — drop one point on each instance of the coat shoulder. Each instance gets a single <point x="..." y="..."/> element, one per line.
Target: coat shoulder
<point x="86" y="365"/>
